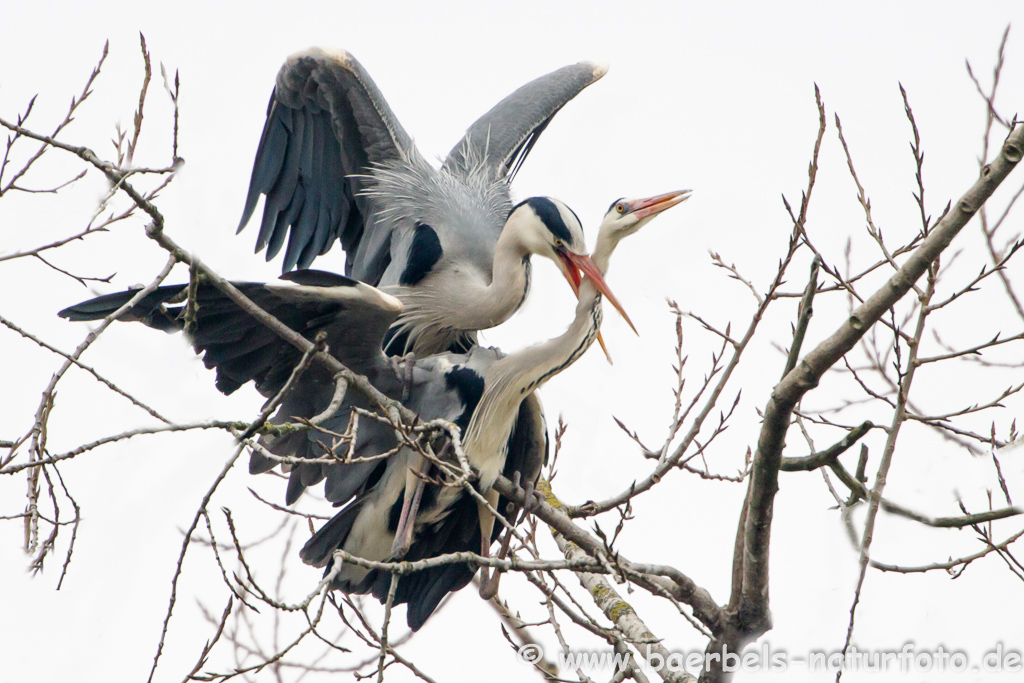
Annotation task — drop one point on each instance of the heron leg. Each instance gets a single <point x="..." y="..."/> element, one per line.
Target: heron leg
<point x="409" y="360"/>
<point x="486" y="528"/>
<point x="410" y="507"/>
<point x="489" y="586"/>
<point x="531" y="501"/>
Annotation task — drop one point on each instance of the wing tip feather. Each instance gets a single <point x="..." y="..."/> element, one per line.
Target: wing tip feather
<point x="342" y="57"/>
<point x="599" y="68"/>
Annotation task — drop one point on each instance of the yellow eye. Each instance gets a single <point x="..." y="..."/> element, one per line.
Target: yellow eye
<point x="559" y="243"/>
<point x="620" y="207"/>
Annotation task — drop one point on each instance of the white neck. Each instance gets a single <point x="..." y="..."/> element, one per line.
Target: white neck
<point x="511" y="379"/>
<point x="607" y="240"/>
<point x="510" y="280"/>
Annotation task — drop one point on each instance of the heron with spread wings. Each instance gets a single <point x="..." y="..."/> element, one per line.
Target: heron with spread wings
<point x="388" y="511"/>
<point x="334" y="164"/>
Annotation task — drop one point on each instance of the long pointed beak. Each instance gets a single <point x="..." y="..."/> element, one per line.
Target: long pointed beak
<point x="642" y="208"/>
<point x="584" y="263"/>
<point x="600" y="340"/>
<point x="570" y="271"/>
<point x="573" y="276"/>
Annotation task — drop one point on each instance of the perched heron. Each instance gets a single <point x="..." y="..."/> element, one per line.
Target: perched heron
<point x="335" y="164"/>
<point x="480" y="391"/>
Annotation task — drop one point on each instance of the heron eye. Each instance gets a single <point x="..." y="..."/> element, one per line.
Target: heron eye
<point x="620" y="208"/>
<point x="559" y="243"/>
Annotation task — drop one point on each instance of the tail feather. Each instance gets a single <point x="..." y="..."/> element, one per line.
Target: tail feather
<point x="423" y="603"/>
<point x="331" y="536"/>
<point x="424" y="590"/>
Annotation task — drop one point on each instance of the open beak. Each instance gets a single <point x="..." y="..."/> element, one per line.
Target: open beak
<point x="573" y="276"/>
<point x="570" y="271"/>
<point x="642" y="208"/>
<point x="583" y="262"/>
<point x="574" y="264"/>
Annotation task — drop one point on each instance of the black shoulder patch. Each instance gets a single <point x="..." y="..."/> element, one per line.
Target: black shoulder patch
<point x="424" y="252"/>
<point x="550" y="217"/>
<point x="470" y="387"/>
<point x="318" y="278"/>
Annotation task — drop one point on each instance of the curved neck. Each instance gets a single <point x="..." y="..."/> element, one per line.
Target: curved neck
<point x="510" y="279"/>
<point x="508" y="381"/>
<point x="603" y="248"/>
<point x="472" y="300"/>
<point x="529" y="368"/>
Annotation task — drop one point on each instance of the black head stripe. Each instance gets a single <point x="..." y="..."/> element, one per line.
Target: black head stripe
<point x="513" y="210"/>
<point x="551" y="217"/>
<point x="612" y="205"/>
<point x="577" y="218"/>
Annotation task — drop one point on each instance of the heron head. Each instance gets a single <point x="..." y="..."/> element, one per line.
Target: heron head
<point x="626" y="216"/>
<point x="549" y="228"/>
<point x="546" y="226"/>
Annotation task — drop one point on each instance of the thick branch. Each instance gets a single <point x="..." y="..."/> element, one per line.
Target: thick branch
<point x="806" y="375"/>
<point x="673" y="583"/>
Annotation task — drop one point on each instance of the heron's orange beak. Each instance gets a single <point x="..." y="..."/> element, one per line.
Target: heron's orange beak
<point x="583" y="262"/>
<point x="641" y="208"/>
<point x="572" y="274"/>
<point x="570" y="271"/>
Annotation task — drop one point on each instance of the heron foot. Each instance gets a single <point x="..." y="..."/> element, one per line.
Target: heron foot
<point x="489" y="584"/>
<point x="532" y="498"/>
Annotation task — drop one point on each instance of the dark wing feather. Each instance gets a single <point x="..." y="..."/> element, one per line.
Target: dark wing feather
<point x="241" y="349"/>
<point x="149" y="311"/>
<point x="331" y="536"/>
<point x="527" y="446"/>
<point x="354" y="316"/>
<point x="504" y="136"/>
<point x="326" y="123"/>
<point x="459" y="531"/>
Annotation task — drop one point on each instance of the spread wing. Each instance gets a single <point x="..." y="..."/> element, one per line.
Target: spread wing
<point x="355" y="317"/>
<point x="327" y="123"/>
<point x="503" y="137"/>
<point x="328" y="127"/>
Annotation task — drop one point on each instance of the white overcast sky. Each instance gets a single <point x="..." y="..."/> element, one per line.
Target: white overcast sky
<point x="717" y="97"/>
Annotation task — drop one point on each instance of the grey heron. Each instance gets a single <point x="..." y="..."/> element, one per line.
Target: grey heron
<point x="335" y="164"/>
<point x="480" y="391"/>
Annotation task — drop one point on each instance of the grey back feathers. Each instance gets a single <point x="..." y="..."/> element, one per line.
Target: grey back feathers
<point x="466" y="213"/>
